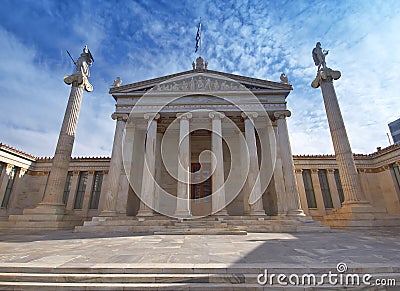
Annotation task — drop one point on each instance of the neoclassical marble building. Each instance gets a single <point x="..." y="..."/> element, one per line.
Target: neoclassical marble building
<point x="200" y="149"/>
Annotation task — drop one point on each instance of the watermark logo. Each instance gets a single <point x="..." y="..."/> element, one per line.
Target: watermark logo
<point x="340" y="277"/>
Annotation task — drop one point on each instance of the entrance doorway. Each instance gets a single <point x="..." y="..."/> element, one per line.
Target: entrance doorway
<point x="200" y="194"/>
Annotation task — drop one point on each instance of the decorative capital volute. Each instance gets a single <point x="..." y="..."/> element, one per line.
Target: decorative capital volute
<point x="119" y="116"/>
<point x="216" y="115"/>
<point x="184" y="116"/>
<point x="282" y="114"/>
<point x="249" y="115"/>
<point x="151" y="116"/>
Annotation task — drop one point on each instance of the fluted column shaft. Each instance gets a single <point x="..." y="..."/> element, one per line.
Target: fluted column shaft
<point x="59" y="169"/>
<point x="253" y="179"/>
<point x="344" y="156"/>
<point x="147" y="192"/>
<point x="115" y="167"/>
<point x="183" y="190"/>
<point x="293" y="200"/>
<point x="218" y="180"/>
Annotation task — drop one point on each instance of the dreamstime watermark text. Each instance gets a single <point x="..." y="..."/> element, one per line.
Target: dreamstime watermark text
<point x="336" y="278"/>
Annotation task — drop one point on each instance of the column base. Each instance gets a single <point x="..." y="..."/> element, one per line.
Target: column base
<point x="44" y="217"/>
<point x="257" y="213"/>
<point x="295" y="212"/>
<point x="183" y="214"/>
<point x="108" y="213"/>
<point x="222" y="212"/>
<point x="360" y="214"/>
<point x="145" y="213"/>
<point x="44" y="208"/>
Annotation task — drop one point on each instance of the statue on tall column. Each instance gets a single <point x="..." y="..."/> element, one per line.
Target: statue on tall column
<point x="318" y="55"/>
<point x="323" y="73"/>
<point x="82" y="72"/>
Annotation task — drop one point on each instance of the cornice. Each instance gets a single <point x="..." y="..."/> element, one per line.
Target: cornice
<point x="15" y="151"/>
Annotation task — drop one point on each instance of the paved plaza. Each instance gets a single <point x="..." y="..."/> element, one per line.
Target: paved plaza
<point x="375" y="252"/>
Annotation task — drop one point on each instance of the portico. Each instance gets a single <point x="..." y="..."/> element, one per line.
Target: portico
<point x="201" y="143"/>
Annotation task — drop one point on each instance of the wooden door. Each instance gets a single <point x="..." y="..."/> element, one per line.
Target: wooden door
<point x="200" y="193"/>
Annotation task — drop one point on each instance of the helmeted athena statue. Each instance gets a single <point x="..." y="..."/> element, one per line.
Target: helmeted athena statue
<point x="323" y="72"/>
<point x="82" y="72"/>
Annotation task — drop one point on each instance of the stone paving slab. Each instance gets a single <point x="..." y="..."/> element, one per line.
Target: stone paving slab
<point x="65" y="252"/>
<point x="68" y="249"/>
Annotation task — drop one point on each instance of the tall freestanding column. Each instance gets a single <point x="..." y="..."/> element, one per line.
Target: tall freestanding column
<point x="292" y="199"/>
<point x="147" y="192"/>
<point x="218" y="181"/>
<point x="114" y="174"/>
<point x="344" y="156"/>
<point x="253" y="179"/>
<point x="52" y="199"/>
<point x="183" y="190"/>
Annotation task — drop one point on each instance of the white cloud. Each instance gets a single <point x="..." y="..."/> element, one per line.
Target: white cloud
<point x="257" y="39"/>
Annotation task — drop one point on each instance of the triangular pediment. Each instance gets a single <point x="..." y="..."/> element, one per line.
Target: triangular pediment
<point x="200" y="80"/>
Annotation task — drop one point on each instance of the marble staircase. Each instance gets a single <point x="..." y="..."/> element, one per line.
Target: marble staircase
<point x="229" y="225"/>
<point x="162" y="277"/>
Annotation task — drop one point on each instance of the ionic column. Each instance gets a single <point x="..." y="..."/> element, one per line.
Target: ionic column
<point x="279" y="181"/>
<point x="318" y="192"/>
<point x="301" y="190"/>
<point x="72" y="190"/>
<point x="253" y="179"/>
<point x="333" y="188"/>
<point x="347" y="169"/>
<point x="88" y="192"/>
<point x="218" y="180"/>
<point x="147" y="192"/>
<point x="58" y="174"/>
<point x="183" y="190"/>
<point x="293" y="200"/>
<point x="127" y="156"/>
<point x="114" y="173"/>
<point x="4" y="179"/>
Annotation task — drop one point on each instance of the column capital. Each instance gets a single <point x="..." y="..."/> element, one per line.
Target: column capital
<point x="151" y="116"/>
<point x="313" y="171"/>
<point x="330" y="170"/>
<point x="22" y="172"/>
<point x="119" y="116"/>
<point x="9" y="167"/>
<point x="282" y="114"/>
<point x="184" y="116"/>
<point x="250" y="115"/>
<point x="298" y="171"/>
<point x="216" y="115"/>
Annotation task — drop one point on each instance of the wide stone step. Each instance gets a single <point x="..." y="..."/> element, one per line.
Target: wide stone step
<point x="238" y="278"/>
<point x="123" y="286"/>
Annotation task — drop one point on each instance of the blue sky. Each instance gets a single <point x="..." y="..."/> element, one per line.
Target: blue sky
<point x="139" y="40"/>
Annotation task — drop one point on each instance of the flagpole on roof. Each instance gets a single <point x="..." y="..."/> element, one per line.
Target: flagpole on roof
<point x="200" y="37"/>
